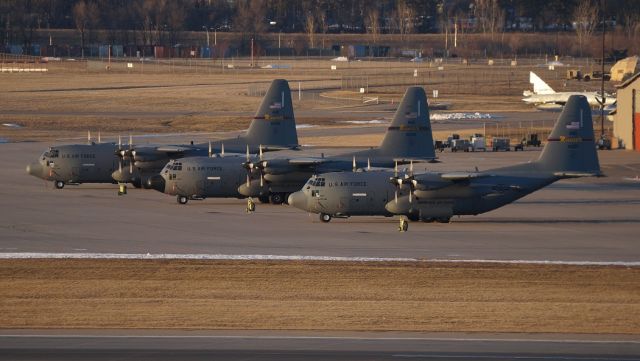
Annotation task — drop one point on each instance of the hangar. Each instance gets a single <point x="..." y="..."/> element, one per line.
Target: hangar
<point x="626" y="121"/>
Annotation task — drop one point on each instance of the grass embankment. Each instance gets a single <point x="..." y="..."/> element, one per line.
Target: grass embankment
<point x="318" y="296"/>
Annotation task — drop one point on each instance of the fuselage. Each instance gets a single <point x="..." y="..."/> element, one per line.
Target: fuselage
<point x="78" y="163"/>
<point x="372" y="193"/>
<point x="562" y="97"/>
<point x="202" y="177"/>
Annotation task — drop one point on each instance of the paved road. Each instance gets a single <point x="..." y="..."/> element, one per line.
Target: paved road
<point x="230" y="345"/>
<point x="574" y="220"/>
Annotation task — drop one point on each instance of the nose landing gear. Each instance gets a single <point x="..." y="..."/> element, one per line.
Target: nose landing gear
<point x="251" y="206"/>
<point x="404" y="225"/>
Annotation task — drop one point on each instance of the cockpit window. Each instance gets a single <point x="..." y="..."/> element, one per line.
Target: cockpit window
<point x="177" y="166"/>
<point x="52" y="153"/>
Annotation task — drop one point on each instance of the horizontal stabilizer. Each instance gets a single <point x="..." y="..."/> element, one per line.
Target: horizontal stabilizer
<point x="576" y="174"/>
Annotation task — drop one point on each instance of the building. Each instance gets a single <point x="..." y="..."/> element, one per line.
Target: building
<point x="626" y="121"/>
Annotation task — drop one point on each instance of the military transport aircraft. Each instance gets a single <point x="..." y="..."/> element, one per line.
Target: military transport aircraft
<point x="273" y="127"/>
<point x="408" y="138"/>
<point x="570" y="152"/>
<point x="545" y="98"/>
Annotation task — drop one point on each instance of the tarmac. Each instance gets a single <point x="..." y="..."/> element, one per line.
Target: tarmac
<point x="585" y="220"/>
<point x="260" y="345"/>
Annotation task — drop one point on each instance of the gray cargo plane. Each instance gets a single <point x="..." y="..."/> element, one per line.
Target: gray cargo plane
<point x="408" y="138"/>
<point x="569" y="153"/>
<point x="273" y="127"/>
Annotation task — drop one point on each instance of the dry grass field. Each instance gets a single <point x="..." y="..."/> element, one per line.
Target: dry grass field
<point x="318" y="296"/>
<point x="172" y="96"/>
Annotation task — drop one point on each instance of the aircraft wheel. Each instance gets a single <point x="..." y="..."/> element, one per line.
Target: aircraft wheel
<point x="325" y="218"/>
<point x="443" y="219"/>
<point x="276" y="198"/>
<point x="404" y="225"/>
<point x="264" y="199"/>
<point x="182" y="199"/>
<point x="59" y="184"/>
<point x="251" y="206"/>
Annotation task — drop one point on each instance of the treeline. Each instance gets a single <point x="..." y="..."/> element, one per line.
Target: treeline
<point x="150" y="22"/>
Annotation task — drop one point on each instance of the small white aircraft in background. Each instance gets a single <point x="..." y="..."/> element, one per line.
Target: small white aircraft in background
<point x="545" y="98"/>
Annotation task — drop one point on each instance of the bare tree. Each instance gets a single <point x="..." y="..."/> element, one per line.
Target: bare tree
<point x="250" y="17"/>
<point x="81" y="18"/>
<point x="372" y="23"/>
<point x="310" y="28"/>
<point x="405" y="18"/>
<point x="585" y="19"/>
<point x="490" y="16"/>
<point x="631" y="26"/>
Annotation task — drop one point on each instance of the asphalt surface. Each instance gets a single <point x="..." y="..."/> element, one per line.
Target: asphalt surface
<point x="573" y="220"/>
<point x="229" y="345"/>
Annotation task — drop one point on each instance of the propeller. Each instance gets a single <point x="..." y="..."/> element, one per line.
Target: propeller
<point x="261" y="167"/>
<point x="248" y="166"/>
<point x="119" y="153"/>
<point x="222" y="149"/>
<point x="353" y="164"/>
<point x="209" y="149"/>
<point x="407" y="179"/>
<point x="99" y="137"/>
<point x="132" y="154"/>
<point x="88" y="137"/>
<point x="368" y="164"/>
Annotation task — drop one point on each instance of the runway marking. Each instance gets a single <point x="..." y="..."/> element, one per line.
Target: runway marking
<point x="505" y="357"/>
<point x="267" y="257"/>
<point x="347" y="338"/>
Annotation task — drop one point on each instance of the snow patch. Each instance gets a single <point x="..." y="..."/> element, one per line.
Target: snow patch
<point x="12" y="125"/>
<point x="240" y="257"/>
<point x="305" y="126"/>
<point x="461" y="116"/>
<point x="374" y="121"/>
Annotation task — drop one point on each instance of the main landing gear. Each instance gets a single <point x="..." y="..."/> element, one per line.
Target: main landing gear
<point x="325" y="218"/>
<point x="182" y="199"/>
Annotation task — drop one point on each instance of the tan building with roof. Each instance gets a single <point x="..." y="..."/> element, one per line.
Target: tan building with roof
<point x="626" y="121"/>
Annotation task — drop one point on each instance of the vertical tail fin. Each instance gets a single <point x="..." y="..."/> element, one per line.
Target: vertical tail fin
<point x="274" y="122"/>
<point x="539" y="86"/>
<point x="409" y="135"/>
<point x="570" y="149"/>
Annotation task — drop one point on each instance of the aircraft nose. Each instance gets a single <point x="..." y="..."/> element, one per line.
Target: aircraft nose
<point x="35" y="169"/>
<point x="298" y="199"/>
<point x="156" y="182"/>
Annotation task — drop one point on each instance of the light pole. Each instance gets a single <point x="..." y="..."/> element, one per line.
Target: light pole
<point x="274" y="23"/>
<point x="207" y="30"/>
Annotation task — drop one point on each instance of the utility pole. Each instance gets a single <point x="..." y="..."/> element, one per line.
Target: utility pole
<point x="604" y="27"/>
<point x="252" y="52"/>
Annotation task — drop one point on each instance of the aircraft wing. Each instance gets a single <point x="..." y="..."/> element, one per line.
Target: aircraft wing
<point x="402" y="161"/>
<point x="172" y="149"/>
<point x="307" y="161"/>
<point x="458" y="176"/>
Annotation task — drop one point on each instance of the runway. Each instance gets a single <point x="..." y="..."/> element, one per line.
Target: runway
<point x="260" y="345"/>
<point x="594" y="219"/>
